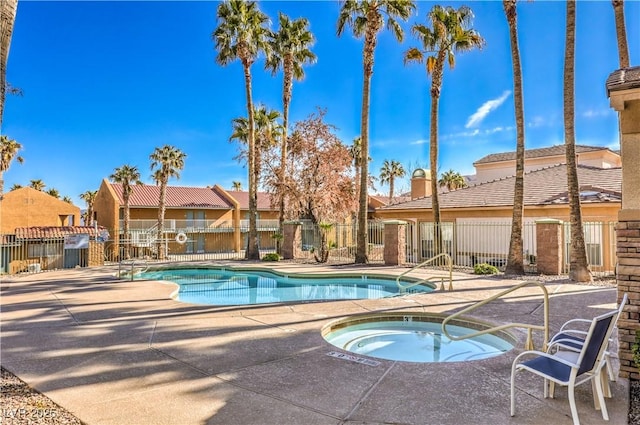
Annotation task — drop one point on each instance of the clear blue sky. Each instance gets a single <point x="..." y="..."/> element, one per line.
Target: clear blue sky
<point x="106" y="82"/>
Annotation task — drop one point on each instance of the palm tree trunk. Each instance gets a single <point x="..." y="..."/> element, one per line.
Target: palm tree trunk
<point x="515" y="264"/>
<point x="621" y="33"/>
<point x="127" y="237"/>
<point x="252" y="252"/>
<point x="286" y="101"/>
<point x="578" y="266"/>
<point x="391" y="184"/>
<point x="436" y="84"/>
<point x="7" y="18"/>
<point x="367" y="59"/>
<point x="161" y="211"/>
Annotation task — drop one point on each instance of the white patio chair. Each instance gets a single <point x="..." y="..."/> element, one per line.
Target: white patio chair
<point x="573" y="339"/>
<point x="571" y="368"/>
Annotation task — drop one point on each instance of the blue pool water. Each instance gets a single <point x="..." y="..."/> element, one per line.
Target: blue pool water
<point x="229" y="287"/>
<point x="410" y="339"/>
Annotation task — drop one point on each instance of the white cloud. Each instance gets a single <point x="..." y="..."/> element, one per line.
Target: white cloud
<point x="590" y="113"/>
<point x="419" y="142"/>
<point x="537" y="121"/>
<point x="476" y="132"/>
<point x="485" y="109"/>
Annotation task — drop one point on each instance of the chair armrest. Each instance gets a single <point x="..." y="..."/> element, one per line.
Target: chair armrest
<point x="566" y="343"/>
<point x="572" y="332"/>
<point x="572" y="321"/>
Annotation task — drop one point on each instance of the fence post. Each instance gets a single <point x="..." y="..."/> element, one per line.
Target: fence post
<point x="96" y="254"/>
<point x="624" y="96"/>
<point x="394" y="242"/>
<point x="549" y="246"/>
<point x="291" y="240"/>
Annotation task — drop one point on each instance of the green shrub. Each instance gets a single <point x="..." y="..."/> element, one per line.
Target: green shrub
<point x="635" y="349"/>
<point x="484" y="268"/>
<point x="272" y="256"/>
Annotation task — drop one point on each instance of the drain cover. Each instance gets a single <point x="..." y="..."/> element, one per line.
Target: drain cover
<point x="352" y="358"/>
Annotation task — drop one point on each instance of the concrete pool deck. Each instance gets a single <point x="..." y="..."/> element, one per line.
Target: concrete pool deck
<point x="120" y="352"/>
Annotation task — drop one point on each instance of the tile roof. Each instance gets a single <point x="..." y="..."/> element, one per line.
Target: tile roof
<point x="384" y="199"/>
<point x="264" y="199"/>
<point x="145" y="195"/>
<point x="56" y="232"/>
<point x="542" y="187"/>
<point x="536" y="153"/>
<point x="623" y="79"/>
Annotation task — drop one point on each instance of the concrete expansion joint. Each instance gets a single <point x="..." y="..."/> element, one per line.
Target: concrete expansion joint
<point x="367" y="393"/>
<point x="74" y="318"/>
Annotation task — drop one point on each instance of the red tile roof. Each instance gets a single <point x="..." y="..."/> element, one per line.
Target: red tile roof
<point x="537" y="153"/>
<point x="264" y="200"/>
<point x="56" y="232"/>
<point x="145" y="195"/>
<point x="541" y="187"/>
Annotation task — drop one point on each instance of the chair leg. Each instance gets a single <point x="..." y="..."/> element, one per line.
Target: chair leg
<point x="612" y="375"/>
<point x="594" y="391"/>
<point x="552" y="389"/>
<point x="572" y="404"/>
<point x="513" y="391"/>
<point x="598" y="384"/>
<point x="604" y="381"/>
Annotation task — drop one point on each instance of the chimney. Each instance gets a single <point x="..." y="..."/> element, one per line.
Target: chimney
<point x="420" y="183"/>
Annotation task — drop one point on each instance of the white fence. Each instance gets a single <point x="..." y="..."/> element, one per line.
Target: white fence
<point x="470" y="243"/>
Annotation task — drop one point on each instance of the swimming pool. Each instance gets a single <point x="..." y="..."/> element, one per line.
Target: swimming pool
<point x="415" y="337"/>
<point x="223" y="286"/>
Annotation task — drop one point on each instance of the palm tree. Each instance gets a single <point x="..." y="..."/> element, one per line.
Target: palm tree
<point x="8" y="11"/>
<point x="236" y="185"/>
<point x="242" y="35"/>
<point x="67" y="199"/>
<point x="126" y="175"/>
<point x="367" y="18"/>
<point x="515" y="262"/>
<point x="15" y="186"/>
<point x="452" y="180"/>
<point x="267" y="131"/>
<point x="53" y="192"/>
<point x="389" y="172"/>
<point x="450" y="34"/>
<point x="8" y="152"/>
<point x="578" y="263"/>
<point x="90" y="198"/>
<point x="621" y="33"/>
<point x="37" y="184"/>
<point x="289" y="52"/>
<point x="166" y="162"/>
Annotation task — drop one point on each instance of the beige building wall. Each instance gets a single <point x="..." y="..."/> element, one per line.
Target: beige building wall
<point x="28" y="207"/>
<point x="497" y="170"/>
<point x="595" y="212"/>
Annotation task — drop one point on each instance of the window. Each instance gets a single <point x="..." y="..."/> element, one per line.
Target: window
<point x="37" y="250"/>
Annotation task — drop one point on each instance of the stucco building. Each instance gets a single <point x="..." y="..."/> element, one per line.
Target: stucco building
<point x="28" y="207"/>
<point x="197" y="219"/>
<point x="488" y="207"/>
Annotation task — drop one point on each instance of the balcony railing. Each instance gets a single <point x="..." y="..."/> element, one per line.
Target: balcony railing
<point x="204" y="226"/>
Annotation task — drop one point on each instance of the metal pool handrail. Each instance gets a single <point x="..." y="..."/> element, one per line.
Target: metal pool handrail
<point x="529" y="327"/>
<point x="429" y="279"/>
<point x="133" y="263"/>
